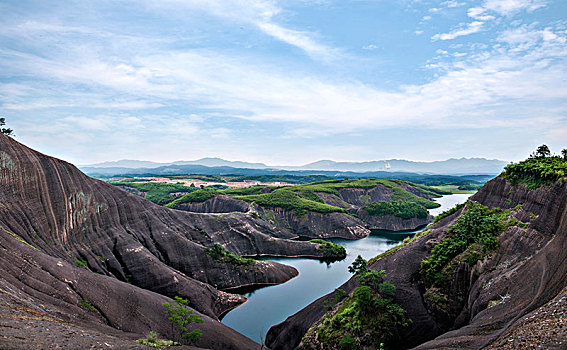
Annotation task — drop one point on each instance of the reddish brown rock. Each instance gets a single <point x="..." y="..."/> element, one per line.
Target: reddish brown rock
<point x="126" y="255"/>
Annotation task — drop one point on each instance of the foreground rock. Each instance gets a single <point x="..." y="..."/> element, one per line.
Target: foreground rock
<point x="512" y="298"/>
<point x="67" y="238"/>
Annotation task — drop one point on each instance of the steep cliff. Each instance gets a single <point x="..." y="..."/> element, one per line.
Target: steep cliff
<point x="484" y="297"/>
<point x="67" y="237"/>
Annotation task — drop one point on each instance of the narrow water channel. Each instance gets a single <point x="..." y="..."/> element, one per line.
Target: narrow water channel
<point x="271" y="305"/>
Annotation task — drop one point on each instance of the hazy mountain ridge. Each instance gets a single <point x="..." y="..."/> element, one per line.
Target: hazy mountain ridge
<point x="449" y="166"/>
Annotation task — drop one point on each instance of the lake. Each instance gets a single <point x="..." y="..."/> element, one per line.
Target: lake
<point x="271" y="305"/>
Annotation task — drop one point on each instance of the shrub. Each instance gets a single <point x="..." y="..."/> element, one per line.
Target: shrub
<point x="180" y="317"/>
<point x="366" y="318"/>
<point x="219" y="253"/>
<point x="331" y="251"/>
<point x="477" y="226"/>
<point x="339" y="296"/>
<point x="154" y="342"/>
<point x="86" y="304"/>
<point x="536" y="172"/>
<point x="448" y="213"/>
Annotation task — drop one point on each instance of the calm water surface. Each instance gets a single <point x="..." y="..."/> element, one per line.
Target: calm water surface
<point x="271" y="305"/>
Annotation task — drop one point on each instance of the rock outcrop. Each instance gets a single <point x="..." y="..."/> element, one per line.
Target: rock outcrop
<point x="66" y="237"/>
<point x="356" y="223"/>
<point x="496" y="301"/>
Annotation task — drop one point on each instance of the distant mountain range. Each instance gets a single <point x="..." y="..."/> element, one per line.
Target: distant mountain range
<point x="208" y="162"/>
<point x="218" y="166"/>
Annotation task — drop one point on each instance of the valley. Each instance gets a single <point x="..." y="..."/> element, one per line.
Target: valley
<point x="86" y="257"/>
<point x="272" y="305"/>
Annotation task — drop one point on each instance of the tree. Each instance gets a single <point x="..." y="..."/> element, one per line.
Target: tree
<point x="564" y="153"/>
<point x="5" y="131"/>
<point x="180" y="316"/>
<point x="541" y="152"/>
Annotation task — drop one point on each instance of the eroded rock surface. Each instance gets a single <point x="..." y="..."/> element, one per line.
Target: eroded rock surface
<point x="66" y="237"/>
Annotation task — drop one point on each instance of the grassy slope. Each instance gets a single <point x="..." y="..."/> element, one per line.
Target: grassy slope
<point x="305" y="198"/>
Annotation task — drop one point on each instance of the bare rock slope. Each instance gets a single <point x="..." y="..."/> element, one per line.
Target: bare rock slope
<point x="67" y="239"/>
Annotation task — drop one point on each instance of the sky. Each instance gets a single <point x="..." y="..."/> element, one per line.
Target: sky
<point x="284" y="82"/>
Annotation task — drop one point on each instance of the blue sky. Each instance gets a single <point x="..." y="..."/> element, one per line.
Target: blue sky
<point x="284" y="82"/>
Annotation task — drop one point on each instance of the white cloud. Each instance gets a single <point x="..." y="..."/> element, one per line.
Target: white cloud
<point x="464" y="29"/>
<point x="517" y="84"/>
<point x="479" y="14"/>
<point x="302" y="40"/>
<point x="259" y="13"/>
<point x="485" y="13"/>
<point x="510" y="7"/>
<point x="501" y="87"/>
<point x="453" y="3"/>
<point x="370" y="47"/>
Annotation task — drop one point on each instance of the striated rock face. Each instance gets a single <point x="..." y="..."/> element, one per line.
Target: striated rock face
<point x="46" y="302"/>
<point x="217" y="204"/>
<point x="391" y="222"/>
<point x="315" y="225"/>
<point x="129" y="253"/>
<point x="498" y="298"/>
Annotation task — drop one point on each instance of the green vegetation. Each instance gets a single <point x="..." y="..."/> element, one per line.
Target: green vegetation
<point x="86" y="304"/>
<point x="405" y="242"/>
<point x="244" y="191"/>
<point x="331" y="251"/>
<point x="473" y="236"/>
<point x="366" y="318"/>
<point x="399" y="194"/>
<point x="540" y="169"/>
<point x="156" y="192"/>
<point x="338" y="297"/>
<point x="17" y="238"/>
<point x="180" y="317"/>
<point x="302" y="198"/>
<point x="404" y="210"/>
<point x="448" y="213"/>
<point x="199" y="195"/>
<point x="154" y="342"/>
<point x="219" y="253"/>
<point x="286" y="198"/>
<point x="80" y="262"/>
<point x="5" y="131"/>
<point x="310" y="195"/>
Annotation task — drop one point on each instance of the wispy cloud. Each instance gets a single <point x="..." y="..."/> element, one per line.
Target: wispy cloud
<point x="302" y="40"/>
<point x="487" y="12"/>
<point x="156" y="92"/>
<point x="486" y="90"/>
<point x="510" y="7"/>
<point x="465" y="29"/>
<point x="260" y="14"/>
